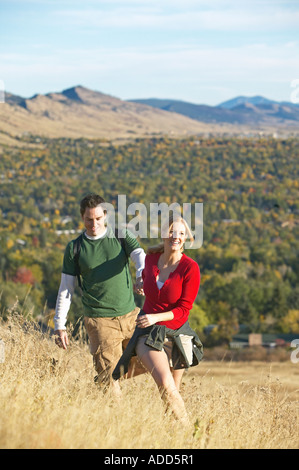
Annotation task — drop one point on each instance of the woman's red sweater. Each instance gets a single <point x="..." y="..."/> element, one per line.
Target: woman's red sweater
<point x="178" y="292"/>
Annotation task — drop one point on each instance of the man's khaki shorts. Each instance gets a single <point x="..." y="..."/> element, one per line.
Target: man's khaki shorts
<point x="108" y="338"/>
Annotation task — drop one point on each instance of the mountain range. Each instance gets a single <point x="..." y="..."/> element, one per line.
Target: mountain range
<point x="80" y="112"/>
<point x="249" y="111"/>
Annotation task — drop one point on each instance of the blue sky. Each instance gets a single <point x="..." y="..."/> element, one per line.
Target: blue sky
<point x="204" y="52"/>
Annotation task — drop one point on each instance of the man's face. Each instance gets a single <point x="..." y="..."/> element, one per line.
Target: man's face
<point x="94" y="221"/>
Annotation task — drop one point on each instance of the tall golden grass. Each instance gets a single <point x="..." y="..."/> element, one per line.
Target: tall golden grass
<point x="49" y="401"/>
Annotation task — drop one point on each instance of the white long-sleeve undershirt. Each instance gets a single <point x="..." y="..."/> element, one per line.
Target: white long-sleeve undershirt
<point x="68" y="283"/>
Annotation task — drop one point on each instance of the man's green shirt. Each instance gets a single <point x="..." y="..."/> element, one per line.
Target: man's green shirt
<point x="107" y="289"/>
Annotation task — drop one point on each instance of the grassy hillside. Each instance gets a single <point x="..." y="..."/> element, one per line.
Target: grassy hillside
<point x="49" y="401"/>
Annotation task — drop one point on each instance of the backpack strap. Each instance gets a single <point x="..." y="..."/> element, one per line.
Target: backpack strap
<point x="77" y="248"/>
<point x="122" y="242"/>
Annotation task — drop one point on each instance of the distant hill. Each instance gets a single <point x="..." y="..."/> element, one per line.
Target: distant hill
<point x="241" y="111"/>
<point x="198" y="112"/>
<point x="80" y="112"/>
<point x="239" y="100"/>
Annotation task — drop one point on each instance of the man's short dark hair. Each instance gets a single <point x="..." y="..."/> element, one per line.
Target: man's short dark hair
<point x="90" y="201"/>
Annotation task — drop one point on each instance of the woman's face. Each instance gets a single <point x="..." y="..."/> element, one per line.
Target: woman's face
<point x="177" y="236"/>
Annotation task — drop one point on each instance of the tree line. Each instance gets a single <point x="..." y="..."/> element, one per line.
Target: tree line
<point x="249" y="189"/>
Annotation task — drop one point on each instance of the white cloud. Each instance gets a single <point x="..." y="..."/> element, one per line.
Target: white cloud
<point x="173" y="57"/>
<point x="179" y="71"/>
<point x="151" y="15"/>
<point x="181" y="65"/>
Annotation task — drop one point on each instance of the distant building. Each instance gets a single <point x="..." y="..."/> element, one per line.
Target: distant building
<point x="255" y="339"/>
<point x="265" y="340"/>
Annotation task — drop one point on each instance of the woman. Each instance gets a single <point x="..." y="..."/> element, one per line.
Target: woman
<point x="163" y="339"/>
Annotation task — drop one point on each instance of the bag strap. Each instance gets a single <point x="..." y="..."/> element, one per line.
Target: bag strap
<point x="77" y="248"/>
<point x="122" y="242"/>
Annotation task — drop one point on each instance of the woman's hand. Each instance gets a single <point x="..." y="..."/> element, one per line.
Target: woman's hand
<point x="138" y="286"/>
<point x="149" y="319"/>
<point x="143" y="321"/>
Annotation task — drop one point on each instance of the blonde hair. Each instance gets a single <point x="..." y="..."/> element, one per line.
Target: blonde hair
<point x="160" y="247"/>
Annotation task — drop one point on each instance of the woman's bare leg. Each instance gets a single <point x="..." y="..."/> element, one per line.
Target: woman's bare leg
<point x="177" y="377"/>
<point x="156" y="362"/>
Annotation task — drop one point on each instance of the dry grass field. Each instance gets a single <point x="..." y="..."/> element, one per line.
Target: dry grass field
<point x="49" y="401"/>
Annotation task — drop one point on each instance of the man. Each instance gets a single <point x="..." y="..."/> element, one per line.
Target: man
<point x="107" y="291"/>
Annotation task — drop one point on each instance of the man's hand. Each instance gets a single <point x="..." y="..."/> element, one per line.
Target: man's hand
<point x="143" y="321"/>
<point x="138" y="286"/>
<point x="62" y="338"/>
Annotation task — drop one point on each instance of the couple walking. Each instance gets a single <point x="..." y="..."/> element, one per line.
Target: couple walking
<point x="124" y="339"/>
